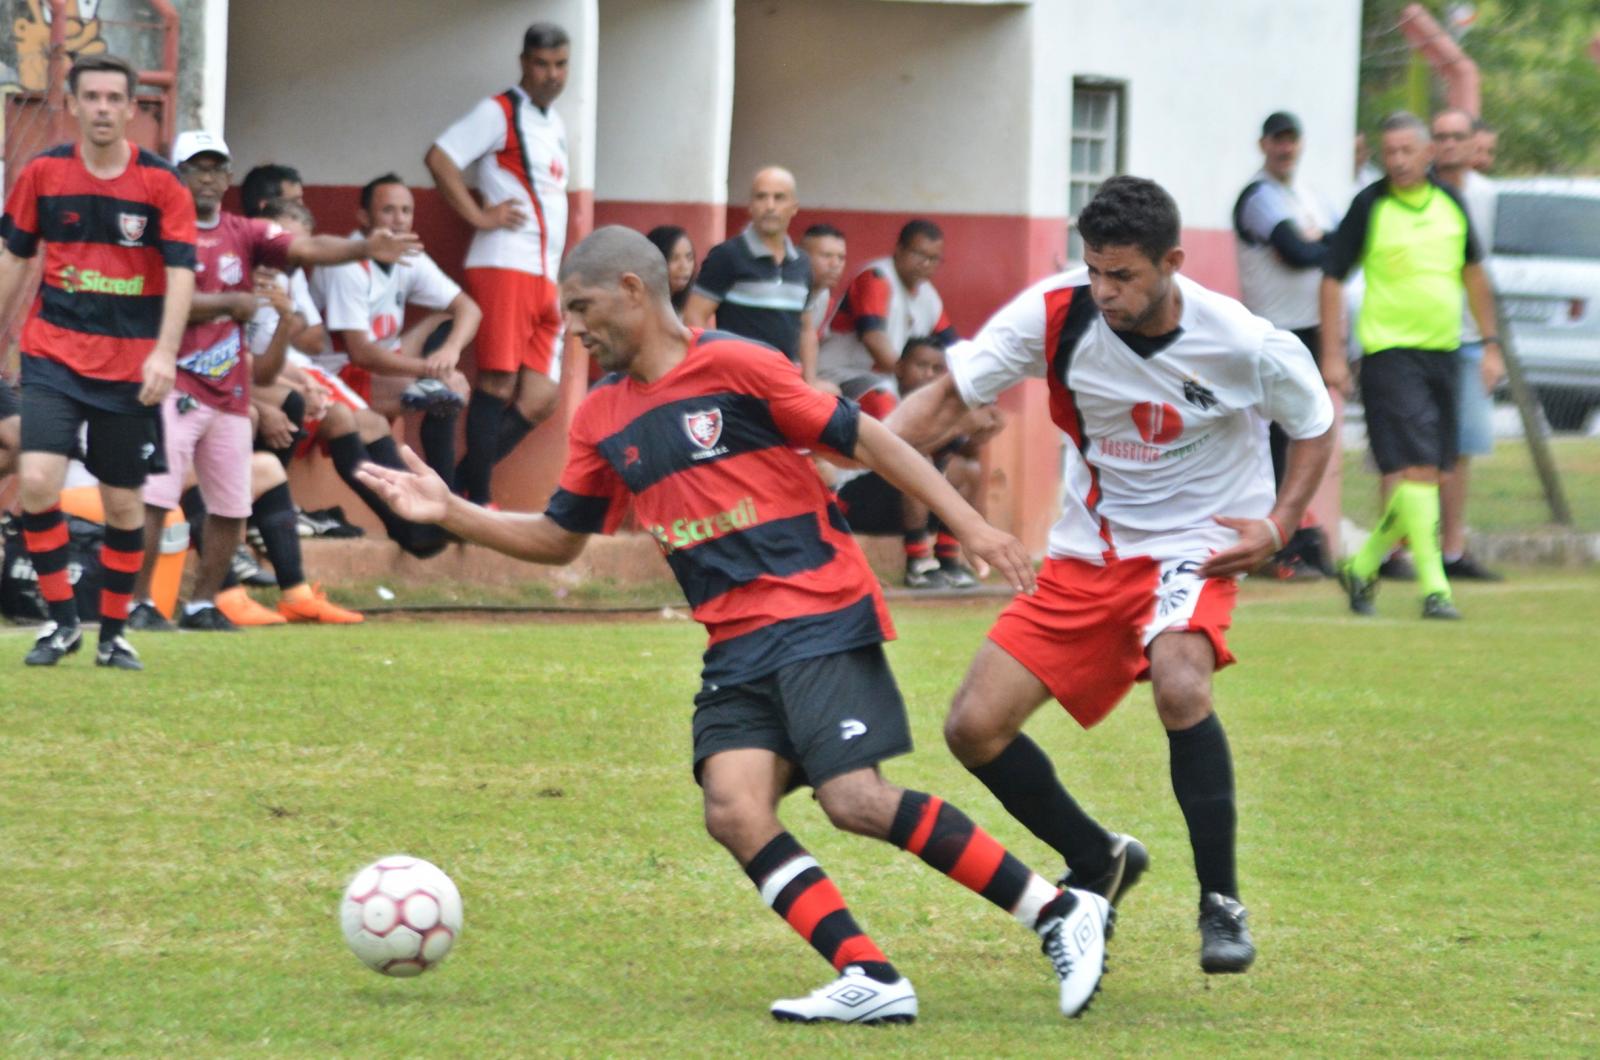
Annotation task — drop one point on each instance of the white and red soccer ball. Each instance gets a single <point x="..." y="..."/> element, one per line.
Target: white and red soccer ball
<point x="401" y="915"/>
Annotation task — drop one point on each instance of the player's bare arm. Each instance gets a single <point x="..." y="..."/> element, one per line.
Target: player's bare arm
<point x="1259" y="539"/>
<point x="452" y="185"/>
<point x="1480" y="298"/>
<point x="240" y="305"/>
<point x="266" y="367"/>
<point x="699" y="311"/>
<point x="884" y="355"/>
<point x="807" y="352"/>
<point x="381" y="245"/>
<point x="1331" y="358"/>
<point x="880" y="449"/>
<point x="12" y="272"/>
<point x="421" y="496"/>
<point x="931" y="416"/>
<point x="465" y="316"/>
<point x="161" y="365"/>
<point x="368" y="354"/>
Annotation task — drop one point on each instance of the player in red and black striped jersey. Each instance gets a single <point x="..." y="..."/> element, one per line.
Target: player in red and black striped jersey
<point x="700" y="429"/>
<point x="101" y="341"/>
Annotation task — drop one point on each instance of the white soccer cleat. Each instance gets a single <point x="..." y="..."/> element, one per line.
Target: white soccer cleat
<point x="854" y="997"/>
<point x="1075" y="945"/>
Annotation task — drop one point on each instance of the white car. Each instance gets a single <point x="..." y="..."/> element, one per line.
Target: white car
<point x="1545" y="264"/>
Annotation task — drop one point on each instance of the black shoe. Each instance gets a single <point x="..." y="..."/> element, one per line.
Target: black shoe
<point x="1129" y="859"/>
<point x="249" y="572"/>
<point x="118" y="654"/>
<point x="925" y="574"/>
<point x="1359" y="591"/>
<point x="1292" y="567"/>
<point x="54" y="643"/>
<point x="1468" y="568"/>
<point x="1438" y="605"/>
<point x="146" y="618"/>
<point x="957" y="575"/>
<point x="208" y="619"/>
<point x="1225" y="944"/>
<point x="1397" y="568"/>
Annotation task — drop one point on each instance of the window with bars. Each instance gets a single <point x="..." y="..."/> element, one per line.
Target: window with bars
<point x="1097" y="146"/>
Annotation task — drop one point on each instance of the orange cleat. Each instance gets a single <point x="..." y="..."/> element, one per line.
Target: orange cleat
<point x="306" y="603"/>
<point x="237" y="607"/>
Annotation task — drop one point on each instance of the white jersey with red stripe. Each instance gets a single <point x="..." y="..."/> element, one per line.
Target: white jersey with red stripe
<point x="513" y="150"/>
<point x="362" y="295"/>
<point x="1158" y="444"/>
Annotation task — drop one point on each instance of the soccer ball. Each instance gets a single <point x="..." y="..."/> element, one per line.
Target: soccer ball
<point x="401" y="915"/>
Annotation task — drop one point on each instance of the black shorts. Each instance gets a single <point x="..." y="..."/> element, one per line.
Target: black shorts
<point x="871" y="505"/>
<point x="829" y="715"/>
<point x="10" y="403"/>
<point x="1409" y="397"/>
<point x="123" y="448"/>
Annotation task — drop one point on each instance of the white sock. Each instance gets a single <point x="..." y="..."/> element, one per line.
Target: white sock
<point x="1039" y="893"/>
<point x="194" y="607"/>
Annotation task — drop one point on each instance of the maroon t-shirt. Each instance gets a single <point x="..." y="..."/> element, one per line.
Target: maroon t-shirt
<point x="213" y="362"/>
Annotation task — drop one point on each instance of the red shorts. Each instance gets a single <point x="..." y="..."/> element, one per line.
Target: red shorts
<point x="521" y="321"/>
<point x="339" y="393"/>
<point x="1086" y="629"/>
<point x="357" y="379"/>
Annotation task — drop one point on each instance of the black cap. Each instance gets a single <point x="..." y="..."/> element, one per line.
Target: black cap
<point x="1280" y="121"/>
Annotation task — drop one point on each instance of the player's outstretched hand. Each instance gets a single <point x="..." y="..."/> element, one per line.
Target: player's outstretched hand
<point x="389" y="247"/>
<point x="1005" y="554"/>
<point x="419" y="495"/>
<point x="1255" y="547"/>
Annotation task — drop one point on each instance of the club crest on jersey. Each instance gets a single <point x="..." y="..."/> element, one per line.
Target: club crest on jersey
<point x="1198" y="394"/>
<point x="704" y="428"/>
<point x="230" y="269"/>
<point x="132" y="226"/>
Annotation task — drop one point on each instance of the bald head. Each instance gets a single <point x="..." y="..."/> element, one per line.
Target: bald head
<point x="610" y="253"/>
<point x="773" y="202"/>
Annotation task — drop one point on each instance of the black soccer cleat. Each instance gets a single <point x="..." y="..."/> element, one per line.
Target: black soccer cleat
<point x="1439" y="605"/>
<point x="1397" y="568"/>
<point x="1469" y="569"/>
<point x="208" y="619"/>
<point x="925" y="573"/>
<point x="146" y="618"/>
<point x="55" y="643"/>
<point x="1128" y="859"/>
<point x="957" y="575"/>
<point x="1225" y="945"/>
<point x="1358" y="590"/>
<point x="118" y="654"/>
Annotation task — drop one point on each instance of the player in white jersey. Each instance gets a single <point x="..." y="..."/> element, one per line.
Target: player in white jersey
<point x="515" y="146"/>
<point x="1164" y="389"/>
<point x="364" y="311"/>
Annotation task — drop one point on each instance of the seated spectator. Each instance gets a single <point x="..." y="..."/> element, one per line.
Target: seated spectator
<point x="872" y="506"/>
<point x="887" y="302"/>
<point x="825" y="246"/>
<point x="269" y="183"/>
<point x="364" y="309"/>
<point x="676" y="246"/>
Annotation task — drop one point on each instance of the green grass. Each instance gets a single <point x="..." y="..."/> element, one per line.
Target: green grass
<point x="1419" y="846"/>
<point x="1506" y="495"/>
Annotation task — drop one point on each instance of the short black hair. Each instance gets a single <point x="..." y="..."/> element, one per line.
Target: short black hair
<point x="819" y="230"/>
<point x="370" y="188"/>
<point x="288" y="210"/>
<point x="544" y="35"/>
<point x="103" y="63"/>
<point x="920" y="340"/>
<point x="263" y="184"/>
<point x="1131" y="212"/>
<point x="918" y="226"/>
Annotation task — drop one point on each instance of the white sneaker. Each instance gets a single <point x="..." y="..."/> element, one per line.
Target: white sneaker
<point x="854" y="997"/>
<point x="1076" y="947"/>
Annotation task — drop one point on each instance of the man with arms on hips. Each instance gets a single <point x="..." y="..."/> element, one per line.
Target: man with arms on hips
<point x="1161" y="387"/>
<point x="101" y="340"/>
<point x="1283" y="227"/>
<point x="206" y="420"/>
<point x="701" y="430"/>
<point x="757" y="285"/>
<point x="1418" y="252"/>
<point x="888" y="302"/>
<point x="364" y="310"/>
<point x="516" y="144"/>
<point x="1455" y="147"/>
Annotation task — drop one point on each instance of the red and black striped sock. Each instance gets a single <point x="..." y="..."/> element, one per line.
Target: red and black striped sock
<point x="945" y="545"/>
<point x="946" y="838"/>
<point x="917" y="546"/>
<point x="45" y="535"/>
<point x="794" y="885"/>
<point x="120" y="557"/>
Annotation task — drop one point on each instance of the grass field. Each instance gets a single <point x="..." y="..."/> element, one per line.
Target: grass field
<point x="1419" y="847"/>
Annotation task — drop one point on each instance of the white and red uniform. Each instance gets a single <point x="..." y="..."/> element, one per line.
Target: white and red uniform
<point x="1159" y="443"/>
<point x="367" y="296"/>
<point x="513" y="150"/>
<point x="258" y="335"/>
<point x="876" y="300"/>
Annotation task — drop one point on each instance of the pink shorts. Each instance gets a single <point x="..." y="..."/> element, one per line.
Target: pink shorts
<point x="217" y="445"/>
<point x="1086" y="630"/>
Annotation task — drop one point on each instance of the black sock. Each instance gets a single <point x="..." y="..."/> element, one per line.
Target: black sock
<point x="385" y="452"/>
<point x="484" y="414"/>
<point x="1202" y="779"/>
<point x="1025" y="782"/>
<point x="275" y="516"/>
<point x="514" y="427"/>
<point x="438" y="431"/>
<point x="194" y="512"/>
<point x="348" y="452"/>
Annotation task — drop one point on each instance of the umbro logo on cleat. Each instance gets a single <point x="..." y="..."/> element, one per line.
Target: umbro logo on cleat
<point x="1083" y="934"/>
<point x="850" y="728"/>
<point x="853" y="996"/>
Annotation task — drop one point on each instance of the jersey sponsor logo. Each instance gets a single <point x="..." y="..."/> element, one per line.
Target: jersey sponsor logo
<point x="385" y="326"/>
<point x="685" y="532"/>
<point x="704" y="428"/>
<point x="1198" y="394"/>
<point x="132" y="226"/>
<point x="557" y="170"/>
<point x="216" y="360"/>
<point x="230" y="270"/>
<point x="1157" y="423"/>
<point x="850" y="728"/>
<point x="74" y="280"/>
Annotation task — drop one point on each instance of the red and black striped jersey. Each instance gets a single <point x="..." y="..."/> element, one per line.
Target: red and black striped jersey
<point x="764" y="557"/>
<point x="108" y="244"/>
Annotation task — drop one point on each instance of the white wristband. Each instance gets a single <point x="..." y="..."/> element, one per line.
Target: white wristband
<point x="1277" y="535"/>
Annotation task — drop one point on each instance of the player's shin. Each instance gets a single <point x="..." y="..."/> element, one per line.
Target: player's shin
<point x="1025" y="782"/>
<point x="1202" y="780"/>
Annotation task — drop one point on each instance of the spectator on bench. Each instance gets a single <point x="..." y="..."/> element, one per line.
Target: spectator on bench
<point x="267" y="184"/>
